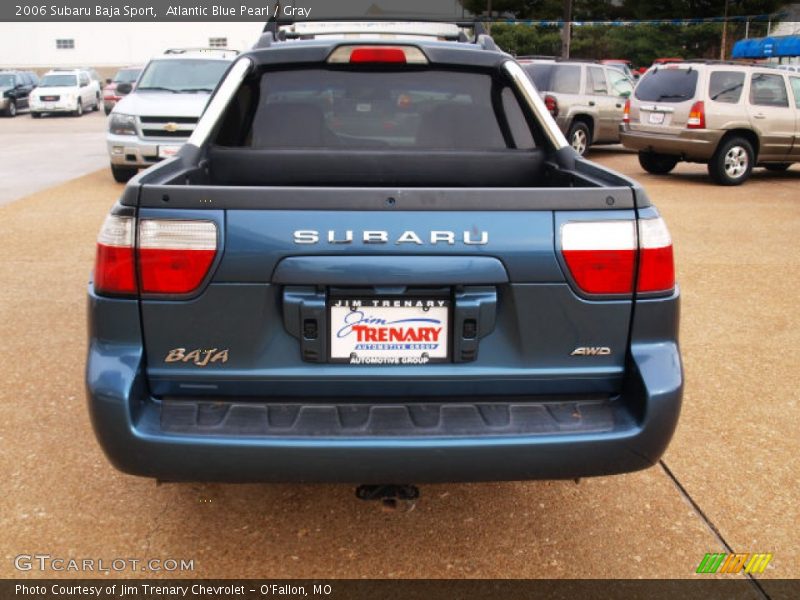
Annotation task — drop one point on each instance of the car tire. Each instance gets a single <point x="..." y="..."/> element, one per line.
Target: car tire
<point x="579" y="137"/>
<point x="11" y="111"/>
<point x="732" y="163"/>
<point x="657" y="164"/>
<point x="78" y="110"/>
<point x="36" y="115"/>
<point x="123" y="174"/>
<point x="106" y="110"/>
<point x="96" y="106"/>
<point x="777" y="167"/>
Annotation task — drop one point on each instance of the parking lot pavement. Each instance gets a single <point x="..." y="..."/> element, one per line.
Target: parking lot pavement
<point x="734" y="458"/>
<point x="38" y="153"/>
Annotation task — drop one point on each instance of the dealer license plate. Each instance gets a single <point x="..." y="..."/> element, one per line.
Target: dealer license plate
<point x="389" y="331"/>
<point x="167" y="151"/>
<point x="656" y="118"/>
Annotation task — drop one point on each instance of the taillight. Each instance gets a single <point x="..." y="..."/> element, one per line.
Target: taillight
<point x="697" y="116"/>
<point x="175" y="255"/>
<point x="656" y="265"/>
<point x="357" y="54"/>
<point x="114" y="264"/>
<point x="626" y="112"/>
<point x="551" y="104"/>
<point x="601" y="256"/>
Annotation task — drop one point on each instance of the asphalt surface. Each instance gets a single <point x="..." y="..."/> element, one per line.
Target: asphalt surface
<point x="729" y="481"/>
<point x="38" y="153"/>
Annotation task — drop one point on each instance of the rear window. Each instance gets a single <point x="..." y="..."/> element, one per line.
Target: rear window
<point x="333" y="108"/>
<point x="560" y="79"/>
<point x="667" y="85"/>
<point x="726" y="86"/>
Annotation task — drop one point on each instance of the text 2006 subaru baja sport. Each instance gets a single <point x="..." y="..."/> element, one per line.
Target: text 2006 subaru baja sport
<point x="378" y="260"/>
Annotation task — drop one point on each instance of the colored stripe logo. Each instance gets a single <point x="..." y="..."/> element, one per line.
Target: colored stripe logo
<point x="734" y="563"/>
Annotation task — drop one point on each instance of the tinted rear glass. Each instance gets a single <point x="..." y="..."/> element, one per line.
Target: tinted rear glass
<point x="667" y="85"/>
<point x="726" y="86"/>
<point x="561" y="79"/>
<point x="319" y="108"/>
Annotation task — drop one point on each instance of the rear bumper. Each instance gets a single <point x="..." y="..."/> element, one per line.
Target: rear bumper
<point x="690" y="144"/>
<point x="183" y="440"/>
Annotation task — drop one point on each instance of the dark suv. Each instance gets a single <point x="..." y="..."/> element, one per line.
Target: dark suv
<point x="15" y="87"/>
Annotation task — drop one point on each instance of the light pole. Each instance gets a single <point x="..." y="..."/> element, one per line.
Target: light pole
<point x="724" y="33"/>
<point x="566" y="31"/>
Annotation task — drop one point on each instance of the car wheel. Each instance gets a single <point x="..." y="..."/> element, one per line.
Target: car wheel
<point x="96" y="106"/>
<point x="657" y="164"/>
<point x="11" y="111"/>
<point x="732" y="163"/>
<point x="123" y="174"/>
<point x="106" y="110"/>
<point x="78" y="110"/>
<point x="778" y="167"/>
<point x="579" y="137"/>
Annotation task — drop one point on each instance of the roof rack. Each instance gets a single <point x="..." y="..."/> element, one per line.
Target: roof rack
<point x="456" y="31"/>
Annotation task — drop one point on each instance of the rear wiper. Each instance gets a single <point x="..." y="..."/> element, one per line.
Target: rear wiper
<point x="726" y="90"/>
<point x="192" y="90"/>
<point x="157" y="88"/>
<point x="665" y="96"/>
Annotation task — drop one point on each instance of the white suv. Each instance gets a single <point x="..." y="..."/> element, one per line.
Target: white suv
<point x="154" y="120"/>
<point x="65" y="90"/>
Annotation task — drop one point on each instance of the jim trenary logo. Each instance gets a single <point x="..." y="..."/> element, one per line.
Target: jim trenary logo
<point x="734" y="563"/>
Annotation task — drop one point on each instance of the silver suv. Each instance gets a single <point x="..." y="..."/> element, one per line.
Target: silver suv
<point x="154" y="120"/>
<point x="586" y="98"/>
<point x="730" y="116"/>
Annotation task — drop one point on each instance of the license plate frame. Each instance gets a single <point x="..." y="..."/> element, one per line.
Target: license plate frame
<point x="168" y="150"/>
<point x="396" y="331"/>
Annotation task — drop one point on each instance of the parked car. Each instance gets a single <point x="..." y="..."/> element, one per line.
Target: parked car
<point x="729" y="116"/>
<point x="110" y="93"/>
<point x="586" y="98"/>
<point x="64" y="91"/>
<point x="154" y="120"/>
<point x="379" y="261"/>
<point x="15" y="89"/>
<point x="623" y="65"/>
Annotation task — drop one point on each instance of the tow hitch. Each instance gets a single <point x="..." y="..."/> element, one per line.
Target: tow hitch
<point x="391" y="496"/>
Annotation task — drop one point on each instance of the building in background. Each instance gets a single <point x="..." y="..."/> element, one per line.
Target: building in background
<point x="106" y="46"/>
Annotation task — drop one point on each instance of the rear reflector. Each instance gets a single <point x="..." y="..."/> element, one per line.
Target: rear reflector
<point x="175" y="255"/>
<point x="378" y="54"/>
<point x="601" y="256"/>
<point x="697" y="116"/>
<point x="114" y="265"/>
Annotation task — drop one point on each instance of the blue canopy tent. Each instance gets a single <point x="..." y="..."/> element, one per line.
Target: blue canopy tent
<point x="767" y="47"/>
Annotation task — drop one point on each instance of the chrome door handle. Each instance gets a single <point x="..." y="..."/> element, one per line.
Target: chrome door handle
<point x="760" y="116"/>
<point x="591" y="102"/>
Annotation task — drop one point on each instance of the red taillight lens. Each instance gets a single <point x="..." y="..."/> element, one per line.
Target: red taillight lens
<point x="377" y="55"/>
<point x="656" y="264"/>
<point x="601" y="256"/>
<point x="175" y="255"/>
<point x="114" y="263"/>
<point x="551" y="104"/>
<point x="626" y="112"/>
<point x="697" y="116"/>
